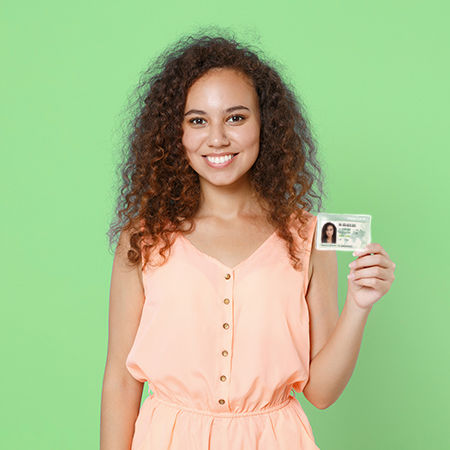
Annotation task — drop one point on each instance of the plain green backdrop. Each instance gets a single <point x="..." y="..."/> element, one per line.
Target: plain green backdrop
<point x="375" y="80"/>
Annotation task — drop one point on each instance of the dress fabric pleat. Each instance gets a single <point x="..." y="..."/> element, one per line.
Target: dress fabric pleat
<point x="222" y="348"/>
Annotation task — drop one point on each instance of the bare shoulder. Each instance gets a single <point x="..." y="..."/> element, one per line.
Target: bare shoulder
<point x="127" y="289"/>
<point x="121" y="261"/>
<point x="126" y="302"/>
<point x="321" y="296"/>
<point x="322" y="261"/>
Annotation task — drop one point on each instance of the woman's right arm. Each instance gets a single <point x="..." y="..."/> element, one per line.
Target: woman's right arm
<point x="121" y="393"/>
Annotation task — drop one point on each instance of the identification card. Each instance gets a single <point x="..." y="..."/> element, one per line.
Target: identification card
<point x="347" y="232"/>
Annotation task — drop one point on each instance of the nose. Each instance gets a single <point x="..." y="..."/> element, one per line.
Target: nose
<point x="217" y="136"/>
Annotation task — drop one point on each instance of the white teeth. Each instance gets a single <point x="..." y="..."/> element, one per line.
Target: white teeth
<point x="219" y="160"/>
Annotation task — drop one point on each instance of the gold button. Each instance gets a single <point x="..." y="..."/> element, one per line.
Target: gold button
<point x="222" y="401"/>
<point x="226" y="301"/>
<point x="223" y="378"/>
<point x="226" y="326"/>
<point x="227" y="276"/>
<point x="224" y="353"/>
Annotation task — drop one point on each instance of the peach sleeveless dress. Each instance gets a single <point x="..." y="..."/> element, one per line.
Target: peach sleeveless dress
<point x="222" y="348"/>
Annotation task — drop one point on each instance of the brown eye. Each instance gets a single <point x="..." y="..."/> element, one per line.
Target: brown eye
<point x="236" y="118"/>
<point x="197" y="121"/>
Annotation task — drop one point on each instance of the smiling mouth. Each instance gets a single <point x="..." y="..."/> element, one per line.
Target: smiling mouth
<point x="220" y="159"/>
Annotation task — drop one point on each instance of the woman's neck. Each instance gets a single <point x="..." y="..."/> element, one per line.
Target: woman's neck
<point x="228" y="202"/>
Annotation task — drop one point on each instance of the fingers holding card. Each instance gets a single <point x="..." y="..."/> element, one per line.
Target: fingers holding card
<point x="372" y="274"/>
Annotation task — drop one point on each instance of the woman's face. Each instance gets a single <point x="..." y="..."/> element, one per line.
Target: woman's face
<point x="221" y="127"/>
<point x="330" y="231"/>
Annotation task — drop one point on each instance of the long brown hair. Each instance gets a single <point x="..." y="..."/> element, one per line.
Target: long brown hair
<point x="160" y="192"/>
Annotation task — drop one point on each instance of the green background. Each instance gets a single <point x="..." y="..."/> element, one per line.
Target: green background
<point x="375" y="79"/>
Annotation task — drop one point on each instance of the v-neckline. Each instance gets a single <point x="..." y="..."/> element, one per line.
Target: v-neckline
<point x="220" y="263"/>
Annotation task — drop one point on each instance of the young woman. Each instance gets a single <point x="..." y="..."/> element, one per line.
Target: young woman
<point x="219" y="298"/>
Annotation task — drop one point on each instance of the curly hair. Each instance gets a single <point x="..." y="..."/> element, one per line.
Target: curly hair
<point x="160" y="192"/>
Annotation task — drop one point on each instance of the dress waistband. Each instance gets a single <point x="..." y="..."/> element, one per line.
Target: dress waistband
<point x="223" y="414"/>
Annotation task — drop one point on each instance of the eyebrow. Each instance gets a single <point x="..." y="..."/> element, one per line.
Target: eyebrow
<point x="203" y="113"/>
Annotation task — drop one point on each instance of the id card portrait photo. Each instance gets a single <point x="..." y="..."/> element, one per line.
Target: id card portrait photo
<point x="347" y="232"/>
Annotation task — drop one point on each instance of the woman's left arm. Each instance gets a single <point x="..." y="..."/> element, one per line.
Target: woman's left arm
<point x="336" y="340"/>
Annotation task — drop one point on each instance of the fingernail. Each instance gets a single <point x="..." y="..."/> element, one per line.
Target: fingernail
<point x="352" y="264"/>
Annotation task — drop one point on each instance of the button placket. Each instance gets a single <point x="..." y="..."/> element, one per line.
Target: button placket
<point x="227" y="332"/>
